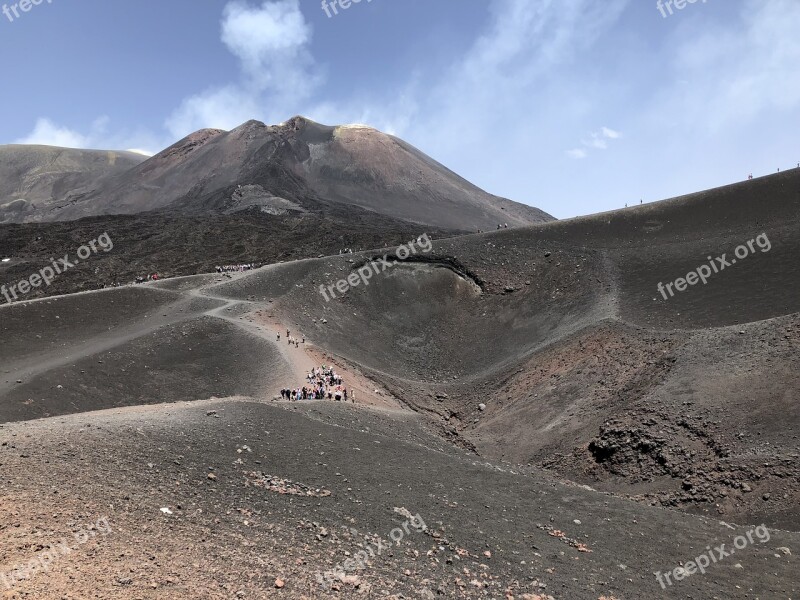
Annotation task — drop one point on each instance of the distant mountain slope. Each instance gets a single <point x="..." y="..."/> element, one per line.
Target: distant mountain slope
<point x="32" y="178"/>
<point x="293" y="167"/>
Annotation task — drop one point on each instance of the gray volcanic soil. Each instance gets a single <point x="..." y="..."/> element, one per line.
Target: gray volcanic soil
<point x="656" y="409"/>
<point x="176" y="245"/>
<point x="489" y="529"/>
<point x="584" y="368"/>
<point x="33" y="178"/>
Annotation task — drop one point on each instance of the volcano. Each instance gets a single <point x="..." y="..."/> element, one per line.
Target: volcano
<point x="291" y="168"/>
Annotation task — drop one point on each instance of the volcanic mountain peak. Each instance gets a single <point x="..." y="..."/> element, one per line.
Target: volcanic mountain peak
<point x="191" y="142"/>
<point x="310" y="165"/>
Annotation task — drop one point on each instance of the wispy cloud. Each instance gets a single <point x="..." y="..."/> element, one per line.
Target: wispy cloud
<point x="597" y="140"/>
<point x="271" y="41"/>
<point x="610" y="133"/>
<point x="736" y="71"/>
<point x="47" y="133"/>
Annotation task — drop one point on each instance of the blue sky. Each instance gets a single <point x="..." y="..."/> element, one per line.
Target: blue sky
<point x="574" y="106"/>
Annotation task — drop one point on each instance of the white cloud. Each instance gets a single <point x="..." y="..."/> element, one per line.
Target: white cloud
<point x="96" y="136"/>
<point x="271" y="42"/>
<point x="223" y="108"/>
<point x="497" y="101"/>
<point x="47" y="133"/>
<point x="598" y="140"/>
<point x="577" y="153"/>
<point x="595" y="141"/>
<point x="258" y="35"/>
<point x="610" y="133"/>
<point x="737" y="71"/>
<point x="138" y="151"/>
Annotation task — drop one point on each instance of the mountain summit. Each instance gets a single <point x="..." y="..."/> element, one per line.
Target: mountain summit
<point x="295" y="166"/>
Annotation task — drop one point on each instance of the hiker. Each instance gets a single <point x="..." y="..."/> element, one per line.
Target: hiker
<point x="345" y="395"/>
<point x="279" y="336"/>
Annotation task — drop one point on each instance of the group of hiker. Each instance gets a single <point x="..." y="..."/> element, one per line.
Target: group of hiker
<point x="293" y="341"/>
<point x="150" y="277"/>
<point x="236" y="268"/>
<point x="322" y="382"/>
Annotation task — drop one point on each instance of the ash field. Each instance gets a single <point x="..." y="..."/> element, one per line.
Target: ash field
<point x="532" y="417"/>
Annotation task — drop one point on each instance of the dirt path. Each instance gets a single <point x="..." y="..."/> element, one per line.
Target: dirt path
<point x="264" y="323"/>
<point x="308" y="356"/>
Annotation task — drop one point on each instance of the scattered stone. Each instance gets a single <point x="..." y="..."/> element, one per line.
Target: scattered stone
<point x="283" y="486"/>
